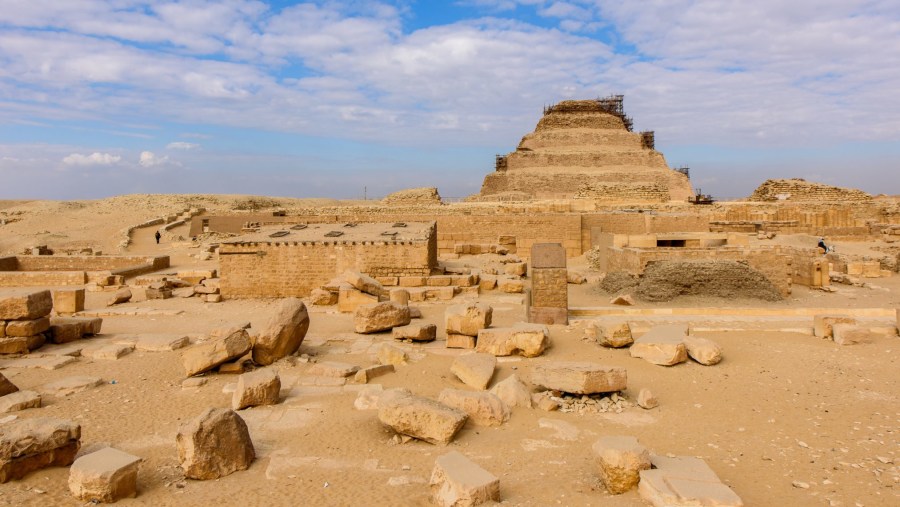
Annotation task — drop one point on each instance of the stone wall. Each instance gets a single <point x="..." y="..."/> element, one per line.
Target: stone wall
<point x="42" y="278"/>
<point x="296" y="268"/>
<point x="59" y="270"/>
<point x="801" y="190"/>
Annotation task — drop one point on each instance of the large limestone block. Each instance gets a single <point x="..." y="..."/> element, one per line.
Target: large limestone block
<point x="420" y="417"/>
<point x="474" y="369"/>
<point x="610" y="334"/>
<point x="389" y="354"/>
<point x="529" y="340"/>
<point x="27" y="445"/>
<point x="511" y="285"/>
<point x="662" y="345"/>
<point x="349" y="299"/>
<point x="260" y="387"/>
<point x="380" y="317"/>
<point x="415" y="332"/>
<point x="460" y="341"/>
<point x="122" y="295"/>
<point x="68" y="301"/>
<point x="218" y="350"/>
<point x="513" y="392"/>
<point x="106" y="476"/>
<point x="20" y="344"/>
<point x="484" y="408"/>
<point x="703" y="350"/>
<point x="823" y="325"/>
<point x="283" y="333"/>
<point x="322" y="297"/>
<point x="27" y="327"/>
<point x="684" y="481"/>
<point x="25" y="305"/>
<point x="849" y="334"/>
<point x="89" y="325"/>
<point x="579" y="377"/>
<point x="457" y="481"/>
<point x="364" y="283"/>
<point x="215" y="444"/>
<point x="19" y="400"/>
<point x="6" y="386"/>
<point x="619" y="462"/>
<point x="467" y="319"/>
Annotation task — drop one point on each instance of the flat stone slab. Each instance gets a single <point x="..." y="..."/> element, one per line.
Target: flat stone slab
<point x="154" y="342"/>
<point x="684" y="481"/>
<point x="456" y="481"/>
<point x="420" y="417"/>
<point x="129" y="312"/>
<point x="109" y="351"/>
<point x="27" y="445"/>
<point x="662" y="345"/>
<point x="71" y="385"/>
<point x="19" y="400"/>
<point x="44" y="362"/>
<point x="104" y="476"/>
<point x="579" y="377"/>
<point x="474" y="369"/>
<point x="333" y="369"/>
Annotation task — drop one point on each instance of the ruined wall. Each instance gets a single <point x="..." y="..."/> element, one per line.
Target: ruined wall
<point x="41" y="278"/>
<point x="795" y="218"/>
<point x="801" y="190"/>
<point x="296" y="268"/>
<point x="88" y="262"/>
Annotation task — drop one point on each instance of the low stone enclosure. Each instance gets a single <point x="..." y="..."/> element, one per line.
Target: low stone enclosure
<point x="292" y="261"/>
<point x="61" y="270"/>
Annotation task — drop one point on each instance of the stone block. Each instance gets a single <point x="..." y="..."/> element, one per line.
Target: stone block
<point x="322" y="297"/>
<point x="389" y="354"/>
<point x="70" y="385"/>
<point x="456" y="481"/>
<point x="823" y="324"/>
<point x="684" y="481"/>
<point x="215" y="444"/>
<point x="516" y="269"/>
<point x="619" y="462"/>
<point x="259" y="387"/>
<point x="6" y="386"/>
<point x="156" y="342"/>
<point x="612" y="334"/>
<point x="68" y="301"/>
<point x="65" y="331"/>
<point x="460" y="341"/>
<point x="202" y="357"/>
<point x="380" y="317"/>
<point x="529" y="340"/>
<point x="212" y="298"/>
<point x="16" y="345"/>
<point x="104" y="476"/>
<point x="703" y="350"/>
<point x="122" y="295"/>
<point x="511" y="286"/>
<point x="513" y="392"/>
<point x="849" y="334"/>
<point x="364" y="283"/>
<point x="467" y="319"/>
<point x="283" y="333"/>
<point x="27" y="327"/>
<point x="415" y="332"/>
<point x="19" y="400"/>
<point x="622" y="300"/>
<point x="474" y="369"/>
<point x="487" y="283"/>
<point x="203" y="289"/>
<point x="579" y="377"/>
<point x="153" y="293"/>
<point x="662" y="345"/>
<point x="333" y="369"/>
<point x="548" y="255"/>
<point x="439" y="281"/>
<point x="646" y="400"/>
<point x="399" y="296"/>
<point x="365" y="375"/>
<point x="412" y="281"/>
<point x="25" y="305"/>
<point x="420" y="417"/>
<point x="483" y="408"/>
<point x="111" y="351"/>
<point x="30" y="444"/>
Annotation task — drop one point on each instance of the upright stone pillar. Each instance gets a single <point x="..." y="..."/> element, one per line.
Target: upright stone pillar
<point x="549" y="289"/>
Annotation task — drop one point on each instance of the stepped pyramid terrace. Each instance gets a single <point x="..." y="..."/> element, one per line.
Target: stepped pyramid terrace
<point x="585" y="149"/>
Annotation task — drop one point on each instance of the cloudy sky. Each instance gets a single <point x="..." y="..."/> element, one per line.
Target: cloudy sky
<point x="335" y="99"/>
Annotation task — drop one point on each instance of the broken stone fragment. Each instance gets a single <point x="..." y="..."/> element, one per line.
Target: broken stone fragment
<point x="467" y="319"/>
<point x="420" y="417"/>
<point x="322" y="297"/>
<point x="415" y="332"/>
<point x="474" y="369"/>
<point x="484" y="408"/>
<point x="646" y="400"/>
<point x="823" y="325"/>
<point x="215" y="444"/>
<point x="513" y="392"/>
<point x="378" y="317"/>
<point x="611" y="334"/>
<point x="623" y="300"/>
<point x="122" y="295"/>
<point x="107" y="475"/>
<point x="460" y="341"/>
<point x="364" y="283"/>
<point x="27" y="327"/>
<point x="849" y="334"/>
<point x="579" y="377"/>
<point x="528" y="340"/>
<point x="25" y="304"/>
<point x="619" y="462"/>
<point x="662" y="345"/>
<point x="457" y="481"/>
<point x="27" y="445"/>
<point x="6" y="386"/>
<point x="260" y="387"/>
<point x="283" y="333"/>
<point x="389" y="354"/>
<point x="684" y="481"/>
<point x="19" y="400"/>
<point x="333" y="369"/>
<point x="703" y="350"/>
<point x="202" y="357"/>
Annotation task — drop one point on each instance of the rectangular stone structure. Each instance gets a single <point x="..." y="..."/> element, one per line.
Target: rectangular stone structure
<point x="549" y="302"/>
<point x="68" y="301"/>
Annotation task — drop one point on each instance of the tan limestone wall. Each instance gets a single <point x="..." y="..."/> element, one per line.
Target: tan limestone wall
<point x="549" y="288"/>
<point x="801" y="190"/>
<point x="41" y="278"/>
<point x="87" y="262"/>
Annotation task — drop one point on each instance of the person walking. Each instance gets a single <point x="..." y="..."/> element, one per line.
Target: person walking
<point x="157" y="236"/>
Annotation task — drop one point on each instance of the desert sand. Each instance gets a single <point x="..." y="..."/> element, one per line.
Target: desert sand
<point x="784" y="419"/>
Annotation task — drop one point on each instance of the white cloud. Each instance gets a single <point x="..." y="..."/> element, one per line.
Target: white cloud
<point x="149" y="159"/>
<point x="181" y="145"/>
<point x="96" y="158"/>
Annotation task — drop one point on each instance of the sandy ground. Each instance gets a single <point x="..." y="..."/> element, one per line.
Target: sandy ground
<point x="782" y="407"/>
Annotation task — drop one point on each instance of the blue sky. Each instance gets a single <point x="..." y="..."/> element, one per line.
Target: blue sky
<point x="329" y="98"/>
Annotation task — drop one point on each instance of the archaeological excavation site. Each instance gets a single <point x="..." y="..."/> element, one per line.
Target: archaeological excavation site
<point x="587" y="330"/>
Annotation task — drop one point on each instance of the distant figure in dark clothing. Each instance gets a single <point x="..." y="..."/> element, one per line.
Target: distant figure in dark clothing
<point x="823" y="246"/>
<point x="158" y="235"/>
